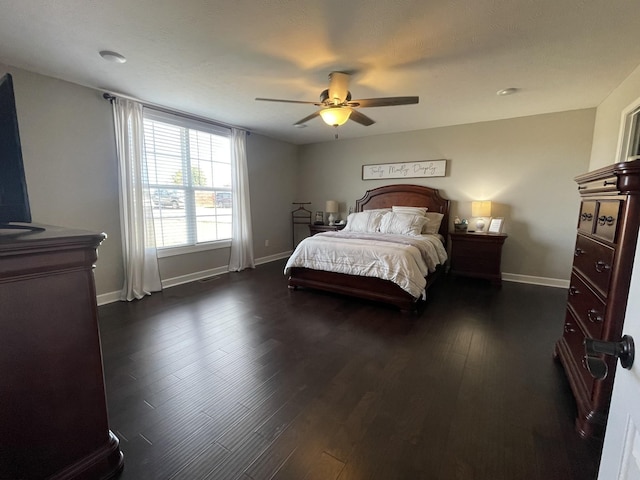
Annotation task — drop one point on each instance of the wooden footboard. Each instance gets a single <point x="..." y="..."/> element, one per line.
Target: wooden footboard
<point x="368" y="288"/>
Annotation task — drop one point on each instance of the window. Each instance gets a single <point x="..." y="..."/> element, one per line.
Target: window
<point x="631" y="135"/>
<point x="188" y="168"/>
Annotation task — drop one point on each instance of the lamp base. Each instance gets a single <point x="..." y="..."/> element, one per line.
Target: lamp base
<point x="480" y="225"/>
<point x="332" y="219"/>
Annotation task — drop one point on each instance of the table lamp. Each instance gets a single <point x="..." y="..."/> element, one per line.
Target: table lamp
<point x="481" y="210"/>
<point x="331" y="207"/>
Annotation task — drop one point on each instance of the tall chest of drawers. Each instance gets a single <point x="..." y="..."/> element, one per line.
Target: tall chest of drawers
<point x="603" y="257"/>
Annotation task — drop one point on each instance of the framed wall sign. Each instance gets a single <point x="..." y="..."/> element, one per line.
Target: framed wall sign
<point x="427" y="168"/>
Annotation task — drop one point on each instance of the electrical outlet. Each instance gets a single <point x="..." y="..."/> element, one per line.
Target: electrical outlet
<point x="266" y="243"/>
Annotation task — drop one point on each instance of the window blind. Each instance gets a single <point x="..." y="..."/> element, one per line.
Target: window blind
<point x="188" y="168"/>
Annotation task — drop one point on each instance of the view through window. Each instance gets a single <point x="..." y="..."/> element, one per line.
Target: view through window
<point x="188" y="166"/>
<point x="633" y="151"/>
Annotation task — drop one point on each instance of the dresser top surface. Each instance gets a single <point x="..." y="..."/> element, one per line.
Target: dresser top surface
<point x="38" y="236"/>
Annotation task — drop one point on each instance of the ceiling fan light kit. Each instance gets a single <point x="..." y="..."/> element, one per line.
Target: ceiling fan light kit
<point x="335" y="116"/>
<point x="337" y="106"/>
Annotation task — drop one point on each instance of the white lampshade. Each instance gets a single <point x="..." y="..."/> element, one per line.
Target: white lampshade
<point x="335" y="116"/>
<point x="481" y="209"/>
<point x="331" y="206"/>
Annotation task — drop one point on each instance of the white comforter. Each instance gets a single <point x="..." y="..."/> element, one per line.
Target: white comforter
<point x="403" y="259"/>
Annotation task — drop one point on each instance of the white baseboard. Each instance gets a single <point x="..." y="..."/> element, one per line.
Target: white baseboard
<point x="192" y="277"/>
<point x="273" y="258"/>
<point x="110" y="297"/>
<point x="545" y="281"/>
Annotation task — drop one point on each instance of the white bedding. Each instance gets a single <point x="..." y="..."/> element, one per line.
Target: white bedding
<point x="403" y="259"/>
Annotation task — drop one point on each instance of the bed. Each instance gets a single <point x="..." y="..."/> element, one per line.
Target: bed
<point x="370" y="287"/>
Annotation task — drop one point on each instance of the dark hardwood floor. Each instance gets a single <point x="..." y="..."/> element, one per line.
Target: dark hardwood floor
<point x="238" y="377"/>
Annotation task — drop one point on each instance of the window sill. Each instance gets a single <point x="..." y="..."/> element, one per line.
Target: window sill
<point x="173" y="251"/>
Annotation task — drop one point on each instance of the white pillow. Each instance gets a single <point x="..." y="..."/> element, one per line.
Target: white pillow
<point x="367" y="221"/>
<point x="402" y="223"/>
<point x="435" y="219"/>
<point x="433" y="226"/>
<point x="412" y="210"/>
<point x="381" y="210"/>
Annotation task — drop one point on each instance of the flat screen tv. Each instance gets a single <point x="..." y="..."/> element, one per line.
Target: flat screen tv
<point x="14" y="200"/>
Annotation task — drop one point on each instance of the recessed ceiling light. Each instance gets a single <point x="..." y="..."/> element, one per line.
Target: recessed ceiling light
<point x="114" y="57"/>
<point x="506" y="91"/>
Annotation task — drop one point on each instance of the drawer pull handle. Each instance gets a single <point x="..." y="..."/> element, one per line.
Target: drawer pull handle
<point x="569" y="328"/>
<point x="602" y="266"/>
<point x="606" y="182"/>
<point x="579" y="251"/>
<point x="594" y="316"/>
<point x="602" y="220"/>
<point x="573" y="291"/>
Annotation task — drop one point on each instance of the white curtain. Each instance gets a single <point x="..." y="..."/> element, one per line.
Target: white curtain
<point x="241" y="235"/>
<point x="141" y="274"/>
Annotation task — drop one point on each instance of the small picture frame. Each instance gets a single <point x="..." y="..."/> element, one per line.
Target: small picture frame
<point x="496" y="225"/>
<point x="319" y="218"/>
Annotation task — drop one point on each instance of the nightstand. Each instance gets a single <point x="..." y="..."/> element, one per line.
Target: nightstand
<point x="313" y="229"/>
<point x="477" y="255"/>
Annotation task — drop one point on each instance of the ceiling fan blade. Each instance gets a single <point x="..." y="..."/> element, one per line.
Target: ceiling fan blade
<point x="307" y="118"/>
<point x="287" y="101"/>
<point x="384" y="102"/>
<point x="360" y="118"/>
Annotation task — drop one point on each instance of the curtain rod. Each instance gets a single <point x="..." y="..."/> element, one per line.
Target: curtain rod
<point x="111" y="96"/>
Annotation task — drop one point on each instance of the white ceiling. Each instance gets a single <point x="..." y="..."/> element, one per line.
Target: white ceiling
<point x="212" y="58"/>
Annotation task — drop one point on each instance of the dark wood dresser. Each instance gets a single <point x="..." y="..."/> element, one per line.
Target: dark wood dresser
<point x="53" y="413"/>
<point x="599" y="286"/>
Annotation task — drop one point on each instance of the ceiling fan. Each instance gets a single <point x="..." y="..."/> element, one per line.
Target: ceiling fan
<point x="337" y="106"/>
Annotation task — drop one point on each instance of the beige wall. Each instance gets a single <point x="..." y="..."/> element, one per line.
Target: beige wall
<point x="69" y="157"/>
<point x="524" y="165"/>
<point x="71" y="168"/>
<point x="273" y="173"/>
<point x="608" y="121"/>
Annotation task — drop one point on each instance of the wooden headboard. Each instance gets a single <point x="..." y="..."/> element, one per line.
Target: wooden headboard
<point x="409" y="196"/>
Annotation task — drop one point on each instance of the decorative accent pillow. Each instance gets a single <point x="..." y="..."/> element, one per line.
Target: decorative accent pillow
<point x="412" y="210"/>
<point x="402" y="223"/>
<point x="435" y="219"/>
<point x="381" y="210"/>
<point x="367" y="221"/>
<point x="433" y="226"/>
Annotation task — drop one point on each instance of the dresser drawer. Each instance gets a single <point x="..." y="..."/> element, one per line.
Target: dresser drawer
<point x="574" y="337"/>
<point x="601" y="185"/>
<point x="594" y="262"/>
<point x="606" y="222"/>
<point x="587" y="217"/>
<point x="587" y="306"/>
